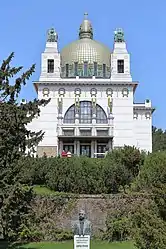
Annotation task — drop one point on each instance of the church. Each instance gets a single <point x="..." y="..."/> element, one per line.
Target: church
<point x="92" y="107"/>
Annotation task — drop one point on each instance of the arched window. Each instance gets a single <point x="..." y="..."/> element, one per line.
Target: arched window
<point x="101" y="117"/>
<point x="69" y="117"/>
<point x="85" y="114"/>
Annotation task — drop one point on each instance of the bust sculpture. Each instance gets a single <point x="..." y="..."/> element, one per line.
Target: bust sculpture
<point x="82" y="226"/>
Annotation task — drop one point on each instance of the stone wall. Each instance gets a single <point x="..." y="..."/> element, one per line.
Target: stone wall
<point x="96" y="208"/>
<point x="49" y="151"/>
<point x="60" y="211"/>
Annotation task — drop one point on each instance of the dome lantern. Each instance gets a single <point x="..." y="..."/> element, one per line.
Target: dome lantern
<point x="86" y="30"/>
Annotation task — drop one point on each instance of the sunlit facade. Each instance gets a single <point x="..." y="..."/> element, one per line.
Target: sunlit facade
<point x="92" y="106"/>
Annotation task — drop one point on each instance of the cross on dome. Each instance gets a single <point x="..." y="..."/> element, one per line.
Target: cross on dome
<point x="86" y="16"/>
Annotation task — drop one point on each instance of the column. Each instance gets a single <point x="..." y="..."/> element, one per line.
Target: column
<point x="95" y="147"/>
<point x="60" y="147"/>
<point x="92" y="148"/>
<point x="110" y="144"/>
<point x="78" y="148"/>
<point x="75" y="147"/>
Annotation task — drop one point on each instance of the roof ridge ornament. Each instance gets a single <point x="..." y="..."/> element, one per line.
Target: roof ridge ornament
<point x="86" y="30"/>
<point x="52" y="36"/>
<point x="119" y="35"/>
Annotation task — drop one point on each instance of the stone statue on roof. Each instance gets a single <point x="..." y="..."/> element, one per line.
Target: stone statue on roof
<point x="52" y="35"/>
<point x="119" y="35"/>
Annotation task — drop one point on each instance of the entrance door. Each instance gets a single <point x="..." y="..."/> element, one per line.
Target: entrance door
<point x="101" y="148"/>
<point x="68" y="147"/>
<point x="85" y="150"/>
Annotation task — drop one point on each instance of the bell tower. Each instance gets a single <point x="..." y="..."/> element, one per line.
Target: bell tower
<point x="120" y="59"/>
<point x="50" y="59"/>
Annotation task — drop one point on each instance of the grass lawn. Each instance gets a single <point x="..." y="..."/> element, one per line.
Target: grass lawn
<point x="41" y="190"/>
<point x="69" y="245"/>
<point x="44" y="191"/>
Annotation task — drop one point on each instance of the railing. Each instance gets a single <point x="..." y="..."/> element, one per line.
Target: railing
<point x="99" y="155"/>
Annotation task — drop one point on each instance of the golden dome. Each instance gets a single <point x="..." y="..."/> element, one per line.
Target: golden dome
<point x="85" y="50"/>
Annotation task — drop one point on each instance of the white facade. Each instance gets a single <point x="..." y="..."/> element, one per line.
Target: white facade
<point x="102" y="114"/>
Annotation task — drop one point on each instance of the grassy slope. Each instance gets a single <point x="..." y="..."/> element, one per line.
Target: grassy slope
<point x="69" y="245"/>
<point x="44" y="191"/>
<point x="41" y="190"/>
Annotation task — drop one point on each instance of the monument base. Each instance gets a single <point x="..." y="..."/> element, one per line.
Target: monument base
<point x="82" y="242"/>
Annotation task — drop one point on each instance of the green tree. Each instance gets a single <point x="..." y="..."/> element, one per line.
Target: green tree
<point x="149" y="228"/>
<point x="158" y="139"/>
<point x="16" y="141"/>
<point x="153" y="172"/>
<point x="150" y="221"/>
<point x="127" y="161"/>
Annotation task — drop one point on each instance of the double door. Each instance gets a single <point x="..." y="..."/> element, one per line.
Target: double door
<point x="68" y="148"/>
<point x="85" y="150"/>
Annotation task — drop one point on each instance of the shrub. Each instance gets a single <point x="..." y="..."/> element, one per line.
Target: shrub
<point x="81" y="174"/>
<point x="119" y="216"/>
<point x="150" y="222"/>
<point x="153" y="172"/>
<point x="149" y="228"/>
<point x="118" y="226"/>
<point x="131" y="157"/>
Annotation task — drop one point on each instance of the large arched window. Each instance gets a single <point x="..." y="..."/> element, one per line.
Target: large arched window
<point x="85" y="114"/>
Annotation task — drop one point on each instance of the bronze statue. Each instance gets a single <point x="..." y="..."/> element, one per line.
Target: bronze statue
<point x="82" y="226"/>
<point x="119" y="35"/>
<point x="52" y="35"/>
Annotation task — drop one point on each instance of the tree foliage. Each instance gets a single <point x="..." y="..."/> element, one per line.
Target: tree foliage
<point x="158" y="139"/>
<point x="150" y="221"/>
<point x="81" y="174"/>
<point x="15" y="141"/>
<point x="153" y="172"/>
<point x="149" y="228"/>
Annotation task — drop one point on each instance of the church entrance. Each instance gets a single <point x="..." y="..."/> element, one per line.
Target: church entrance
<point x="94" y="147"/>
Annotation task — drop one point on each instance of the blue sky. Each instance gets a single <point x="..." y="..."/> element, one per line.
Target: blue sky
<point x="23" y="26"/>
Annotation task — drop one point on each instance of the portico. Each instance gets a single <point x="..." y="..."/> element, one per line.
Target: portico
<point x="86" y="145"/>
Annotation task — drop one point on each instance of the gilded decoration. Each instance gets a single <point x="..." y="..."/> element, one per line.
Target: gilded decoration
<point x="147" y="115"/>
<point x="109" y="92"/>
<point x="125" y="92"/>
<point x="93" y="92"/>
<point x="46" y="92"/>
<point x="135" y="116"/>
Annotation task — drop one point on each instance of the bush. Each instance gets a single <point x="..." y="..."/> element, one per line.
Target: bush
<point x="15" y="211"/>
<point x="81" y="174"/>
<point x="131" y="157"/>
<point x="149" y="228"/>
<point x="119" y="216"/>
<point x="153" y="172"/>
<point x="149" y="222"/>
<point x="118" y="226"/>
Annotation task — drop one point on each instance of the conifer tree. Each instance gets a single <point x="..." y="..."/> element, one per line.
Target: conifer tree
<point x="15" y="140"/>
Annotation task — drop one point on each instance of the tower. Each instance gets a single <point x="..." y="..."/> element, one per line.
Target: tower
<point x="50" y="59"/>
<point x="120" y="59"/>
